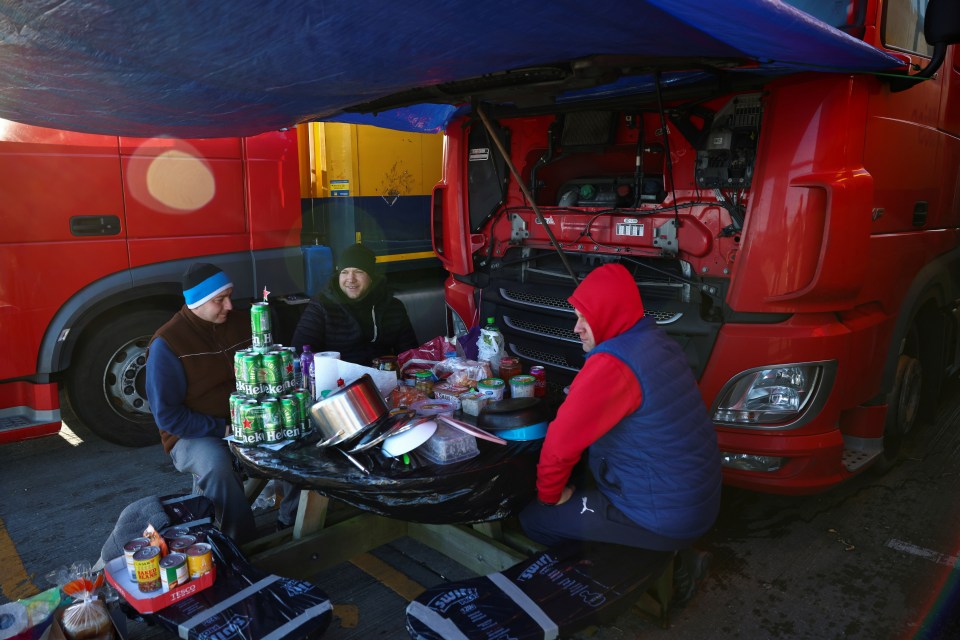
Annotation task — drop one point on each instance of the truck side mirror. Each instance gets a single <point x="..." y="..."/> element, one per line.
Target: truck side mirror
<point x="941" y="27"/>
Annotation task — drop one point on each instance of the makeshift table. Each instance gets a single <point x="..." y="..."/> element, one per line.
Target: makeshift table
<point x="421" y="500"/>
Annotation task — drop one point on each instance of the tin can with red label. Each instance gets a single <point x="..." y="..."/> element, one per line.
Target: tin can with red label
<point x="540" y="386"/>
<point x="129" y="549"/>
<point x="199" y="559"/>
<point x="173" y="571"/>
<point x="180" y="544"/>
<point x="146" y="562"/>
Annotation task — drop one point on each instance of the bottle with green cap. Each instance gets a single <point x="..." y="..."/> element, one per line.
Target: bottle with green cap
<point x="490" y="346"/>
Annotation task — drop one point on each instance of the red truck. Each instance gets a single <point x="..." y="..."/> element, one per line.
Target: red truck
<point x="95" y="232"/>
<point x="797" y="234"/>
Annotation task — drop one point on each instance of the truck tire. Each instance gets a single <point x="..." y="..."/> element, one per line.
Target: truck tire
<point x="903" y="406"/>
<point x="105" y="382"/>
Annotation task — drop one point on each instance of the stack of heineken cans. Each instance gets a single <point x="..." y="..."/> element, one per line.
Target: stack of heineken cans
<point x="269" y="405"/>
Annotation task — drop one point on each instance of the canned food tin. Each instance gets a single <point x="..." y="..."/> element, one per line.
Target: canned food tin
<point x="180" y="544"/>
<point x="173" y="571"/>
<point x="129" y="549"/>
<point x="260" y="318"/>
<point x="146" y="562"/>
<point x="171" y="533"/>
<point x="540" y="386"/>
<point x="199" y="559"/>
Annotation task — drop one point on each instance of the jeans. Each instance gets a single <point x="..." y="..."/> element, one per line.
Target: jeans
<point x="588" y="515"/>
<point x="210" y="462"/>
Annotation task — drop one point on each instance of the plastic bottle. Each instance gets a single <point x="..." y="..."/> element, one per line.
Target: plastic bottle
<point x="306" y="369"/>
<point x="490" y="346"/>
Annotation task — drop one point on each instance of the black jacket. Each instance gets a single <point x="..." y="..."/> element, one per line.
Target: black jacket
<point x="332" y="323"/>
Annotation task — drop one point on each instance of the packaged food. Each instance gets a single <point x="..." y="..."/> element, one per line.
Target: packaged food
<point x="433" y="407"/>
<point x="448" y="445"/>
<point x="493" y="387"/>
<point x="87" y="620"/>
<point x="472" y="403"/>
<point x="404" y="396"/>
<point x="451" y="392"/>
<point x="522" y="386"/>
<point x="461" y="372"/>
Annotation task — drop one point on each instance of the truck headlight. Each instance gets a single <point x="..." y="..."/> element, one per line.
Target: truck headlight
<point x="774" y="397"/>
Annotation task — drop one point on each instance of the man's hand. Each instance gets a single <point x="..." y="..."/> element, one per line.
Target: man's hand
<point x="566" y="494"/>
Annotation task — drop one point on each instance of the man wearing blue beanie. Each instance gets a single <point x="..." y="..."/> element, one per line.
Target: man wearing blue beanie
<point x="189" y="380"/>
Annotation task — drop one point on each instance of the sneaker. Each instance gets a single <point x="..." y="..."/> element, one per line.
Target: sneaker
<point x="690" y="570"/>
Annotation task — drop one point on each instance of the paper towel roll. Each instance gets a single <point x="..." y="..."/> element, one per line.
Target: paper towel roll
<point x="330" y="354"/>
<point x="326" y="372"/>
<point x="13" y="619"/>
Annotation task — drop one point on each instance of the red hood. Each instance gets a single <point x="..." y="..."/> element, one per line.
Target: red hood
<point x="609" y="300"/>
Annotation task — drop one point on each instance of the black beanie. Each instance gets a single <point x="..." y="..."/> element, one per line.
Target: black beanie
<point x="358" y="256"/>
<point x="201" y="282"/>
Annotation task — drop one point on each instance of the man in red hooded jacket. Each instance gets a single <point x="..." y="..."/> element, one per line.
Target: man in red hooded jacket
<point x="635" y="413"/>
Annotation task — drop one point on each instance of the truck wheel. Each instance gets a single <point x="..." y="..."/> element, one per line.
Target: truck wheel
<point x="105" y="383"/>
<point x="903" y="405"/>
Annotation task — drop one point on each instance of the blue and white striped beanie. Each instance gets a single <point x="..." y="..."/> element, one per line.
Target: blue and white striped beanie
<point x="202" y="282"/>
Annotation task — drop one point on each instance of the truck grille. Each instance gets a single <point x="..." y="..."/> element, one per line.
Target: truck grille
<point x="543" y="357"/>
<point x="551" y="302"/>
<point x="536" y="300"/>
<point x="540" y="329"/>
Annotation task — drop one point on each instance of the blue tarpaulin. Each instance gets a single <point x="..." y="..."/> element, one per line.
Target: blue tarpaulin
<point x="208" y="69"/>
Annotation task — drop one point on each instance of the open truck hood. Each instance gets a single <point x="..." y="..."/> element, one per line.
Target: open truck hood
<point x="243" y="67"/>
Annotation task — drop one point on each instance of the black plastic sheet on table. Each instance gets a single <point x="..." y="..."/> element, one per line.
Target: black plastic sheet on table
<point x="491" y="486"/>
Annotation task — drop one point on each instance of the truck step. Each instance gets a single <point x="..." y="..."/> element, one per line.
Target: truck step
<point x="858" y="452"/>
<point x="21" y="423"/>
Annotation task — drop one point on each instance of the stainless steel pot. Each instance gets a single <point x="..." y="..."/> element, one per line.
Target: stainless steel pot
<point x="349" y="411"/>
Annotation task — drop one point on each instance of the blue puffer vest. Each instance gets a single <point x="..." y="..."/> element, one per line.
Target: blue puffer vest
<point x="660" y="465"/>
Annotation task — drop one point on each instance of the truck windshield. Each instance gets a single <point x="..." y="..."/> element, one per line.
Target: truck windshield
<point x="846" y="15"/>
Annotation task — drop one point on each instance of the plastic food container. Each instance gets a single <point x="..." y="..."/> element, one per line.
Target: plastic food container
<point x="492" y="387"/>
<point x="430" y="407"/>
<point x="473" y="403"/>
<point x="448" y="445"/>
<point x="522" y="386"/>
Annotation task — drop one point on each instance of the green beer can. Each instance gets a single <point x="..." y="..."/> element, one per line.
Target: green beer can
<point x="236" y="401"/>
<point x="272" y="370"/>
<point x="290" y="415"/>
<point x="272" y="367"/>
<point x="271" y="409"/>
<point x="251" y="425"/>
<point x="288" y="354"/>
<point x="304" y="402"/>
<point x="248" y="378"/>
<point x="262" y="341"/>
<point x="272" y="420"/>
<point x="260" y="318"/>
